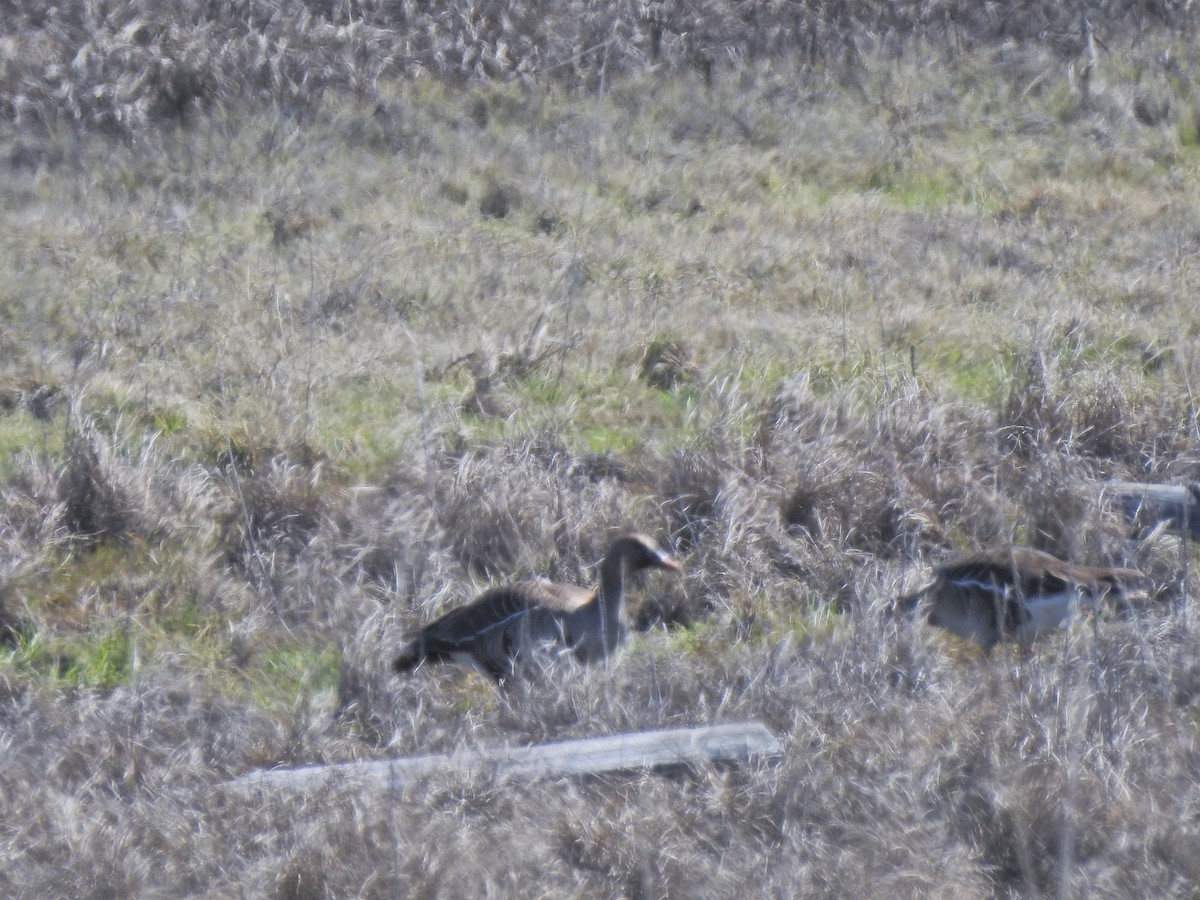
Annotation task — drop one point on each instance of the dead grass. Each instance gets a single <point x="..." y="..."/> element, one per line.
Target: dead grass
<point x="294" y="361"/>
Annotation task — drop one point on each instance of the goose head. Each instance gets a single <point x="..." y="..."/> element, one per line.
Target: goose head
<point x="640" y="551"/>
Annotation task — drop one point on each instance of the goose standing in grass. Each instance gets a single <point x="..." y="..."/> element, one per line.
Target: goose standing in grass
<point x="505" y="626"/>
<point x="1013" y="594"/>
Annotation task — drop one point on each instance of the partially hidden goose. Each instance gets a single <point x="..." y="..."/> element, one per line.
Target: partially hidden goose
<point x="504" y="627"/>
<point x="1013" y="594"/>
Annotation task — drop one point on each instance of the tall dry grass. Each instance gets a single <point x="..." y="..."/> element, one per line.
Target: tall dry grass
<point x="119" y="67"/>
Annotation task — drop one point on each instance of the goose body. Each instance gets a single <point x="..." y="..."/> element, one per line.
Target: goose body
<point x="1013" y="594"/>
<point x="507" y="626"/>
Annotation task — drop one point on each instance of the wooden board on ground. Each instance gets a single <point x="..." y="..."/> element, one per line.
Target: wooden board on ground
<point x="733" y="743"/>
<point x="1148" y="504"/>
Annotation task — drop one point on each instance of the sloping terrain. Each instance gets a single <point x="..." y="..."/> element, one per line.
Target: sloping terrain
<point x="317" y="321"/>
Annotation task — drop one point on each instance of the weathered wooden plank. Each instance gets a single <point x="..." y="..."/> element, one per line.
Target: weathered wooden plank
<point x="1148" y="504"/>
<point x="643" y="750"/>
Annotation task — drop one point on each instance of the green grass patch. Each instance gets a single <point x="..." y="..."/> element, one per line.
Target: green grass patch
<point x="103" y="662"/>
<point x="284" y="673"/>
<point x="919" y="189"/>
<point x="102" y="659"/>
<point x="1187" y="128"/>
<point x="607" y="439"/>
<point x="277" y="676"/>
<point x="81" y="588"/>
<point x="970" y="378"/>
<point x="132" y="419"/>
<point x="168" y="422"/>
<point x="615" y="414"/>
<point x="756" y="621"/>
<point x="22" y="434"/>
<point x="813" y="622"/>
<point x="365" y="427"/>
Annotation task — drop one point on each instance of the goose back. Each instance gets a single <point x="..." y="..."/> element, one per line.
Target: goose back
<point x="506" y="627"/>
<point x="1014" y="593"/>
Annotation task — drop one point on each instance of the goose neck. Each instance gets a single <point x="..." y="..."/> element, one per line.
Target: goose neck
<point x="612" y="581"/>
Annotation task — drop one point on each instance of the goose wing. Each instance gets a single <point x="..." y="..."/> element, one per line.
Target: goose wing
<point x="497" y="609"/>
<point x="1027" y="573"/>
<point x="1013" y="592"/>
<point x="1025" y="591"/>
<point x="1038" y="573"/>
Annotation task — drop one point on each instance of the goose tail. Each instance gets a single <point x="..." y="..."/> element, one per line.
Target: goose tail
<point x="906" y="604"/>
<point x="410" y="658"/>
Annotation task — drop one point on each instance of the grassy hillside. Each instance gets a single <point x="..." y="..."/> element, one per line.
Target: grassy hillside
<point x="299" y="349"/>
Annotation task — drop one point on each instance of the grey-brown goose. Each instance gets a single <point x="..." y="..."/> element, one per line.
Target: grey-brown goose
<point x="1013" y="594"/>
<point x="505" y="626"/>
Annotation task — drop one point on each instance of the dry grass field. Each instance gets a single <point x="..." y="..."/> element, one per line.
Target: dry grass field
<point x="316" y="319"/>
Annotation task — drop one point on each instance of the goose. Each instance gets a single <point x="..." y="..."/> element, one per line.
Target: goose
<point x="501" y="629"/>
<point x="1013" y="594"/>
